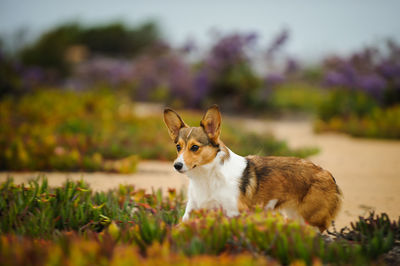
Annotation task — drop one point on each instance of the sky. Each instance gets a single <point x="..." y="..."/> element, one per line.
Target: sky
<point x="317" y="27"/>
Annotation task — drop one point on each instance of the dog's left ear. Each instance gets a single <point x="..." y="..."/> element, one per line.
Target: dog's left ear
<point x="211" y="123"/>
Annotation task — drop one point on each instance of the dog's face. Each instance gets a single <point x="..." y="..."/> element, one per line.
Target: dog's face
<point x="196" y="146"/>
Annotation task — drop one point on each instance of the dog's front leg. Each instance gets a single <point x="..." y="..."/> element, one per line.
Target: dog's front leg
<point x="189" y="208"/>
<point x="231" y="212"/>
<point x="231" y="208"/>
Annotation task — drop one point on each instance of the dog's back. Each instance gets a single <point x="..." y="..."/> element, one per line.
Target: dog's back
<point x="293" y="185"/>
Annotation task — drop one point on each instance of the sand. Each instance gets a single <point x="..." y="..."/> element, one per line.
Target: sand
<point x="367" y="171"/>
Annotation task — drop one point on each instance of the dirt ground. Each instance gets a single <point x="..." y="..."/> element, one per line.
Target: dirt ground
<point x="368" y="171"/>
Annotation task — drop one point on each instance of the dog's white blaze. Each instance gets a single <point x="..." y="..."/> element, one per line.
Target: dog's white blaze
<point x="190" y="132"/>
<point x="181" y="160"/>
<point x="216" y="184"/>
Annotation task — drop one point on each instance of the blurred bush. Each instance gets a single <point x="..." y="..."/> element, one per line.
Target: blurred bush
<point x="233" y="72"/>
<point x="93" y="131"/>
<point x="11" y="81"/>
<point x="53" y="130"/>
<point x="296" y="97"/>
<point x="373" y="71"/>
<point x="364" y="96"/>
<point x="378" y="123"/>
<point x="58" y="48"/>
<point x="226" y="74"/>
<point x="138" y="62"/>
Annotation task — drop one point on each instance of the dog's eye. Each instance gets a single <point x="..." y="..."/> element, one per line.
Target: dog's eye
<point x="178" y="147"/>
<point x="194" y="148"/>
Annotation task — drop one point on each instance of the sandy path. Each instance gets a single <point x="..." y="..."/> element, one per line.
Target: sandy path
<point x="368" y="171"/>
<point x="150" y="174"/>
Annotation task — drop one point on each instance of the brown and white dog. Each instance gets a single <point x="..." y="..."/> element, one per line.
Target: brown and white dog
<point x="219" y="178"/>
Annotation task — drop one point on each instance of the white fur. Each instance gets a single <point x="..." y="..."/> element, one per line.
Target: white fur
<point x="181" y="160"/>
<point x="271" y="204"/>
<point x="292" y="214"/>
<point x="216" y="184"/>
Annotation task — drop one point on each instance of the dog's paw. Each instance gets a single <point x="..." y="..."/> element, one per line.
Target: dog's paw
<point x="185" y="217"/>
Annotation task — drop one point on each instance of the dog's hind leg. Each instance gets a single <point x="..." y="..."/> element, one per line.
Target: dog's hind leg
<point x="319" y="207"/>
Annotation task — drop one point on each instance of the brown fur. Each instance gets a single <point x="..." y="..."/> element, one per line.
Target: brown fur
<point x="295" y="183"/>
<point x="206" y="152"/>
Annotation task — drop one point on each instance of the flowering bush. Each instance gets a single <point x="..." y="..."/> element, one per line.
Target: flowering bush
<point x="139" y="61"/>
<point x="224" y="75"/>
<point x="233" y="72"/>
<point x="60" y="47"/>
<point x="365" y="94"/>
<point x="372" y="71"/>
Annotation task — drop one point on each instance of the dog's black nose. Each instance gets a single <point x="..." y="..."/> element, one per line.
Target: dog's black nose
<point x="178" y="166"/>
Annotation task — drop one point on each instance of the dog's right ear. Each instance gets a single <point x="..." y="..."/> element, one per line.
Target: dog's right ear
<point x="174" y="123"/>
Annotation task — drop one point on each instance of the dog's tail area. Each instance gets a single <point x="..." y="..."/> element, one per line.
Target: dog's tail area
<point x="321" y="204"/>
<point x="335" y="203"/>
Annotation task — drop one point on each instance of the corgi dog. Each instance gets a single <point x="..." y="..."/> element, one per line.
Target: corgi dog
<point x="219" y="178"/>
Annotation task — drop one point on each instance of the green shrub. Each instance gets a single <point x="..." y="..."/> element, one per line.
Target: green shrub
<point x="98" y="131"/>
<point x="358" y="114"/>
<point x="52" y="130"/>
<point x="50" y="50"/>
<point x="344" y="103"/>
<point x="296" y="97"/>
<point x="379" y="123"/>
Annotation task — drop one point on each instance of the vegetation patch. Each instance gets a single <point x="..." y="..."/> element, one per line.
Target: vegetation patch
<point x="359" y="115"/>
<point x="99" y="131"/>
<point x="74" y="225"/>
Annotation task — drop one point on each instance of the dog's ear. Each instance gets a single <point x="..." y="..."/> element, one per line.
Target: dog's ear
<point x="211" y="123"/>
<point x="174" y="123"/>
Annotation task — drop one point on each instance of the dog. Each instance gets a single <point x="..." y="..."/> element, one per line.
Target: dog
<point x="219" y="178"/>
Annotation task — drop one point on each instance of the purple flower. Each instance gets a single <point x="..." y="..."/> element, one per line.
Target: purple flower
<point x="291" y="66"/>
<point x="277" y="43"/>
<point x="372" y="84"/>
<point x="389" y="69"/>
<point x="274" y="79"/>
<point x="189" y="47"/>
<point x="230" y="50"/>
<point x="334" y="78"/>
<point x="201" y="85"/>
<point x="350" y="75"/>
<point x="33" y="76"/>
<point x="344" y="75"/>
<point x="251" y="37"/>
<point x="100" y="69"/>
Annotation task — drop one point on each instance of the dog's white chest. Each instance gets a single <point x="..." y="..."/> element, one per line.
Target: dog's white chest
<point x="217" y="194"/>
<point x="217" y="185"/>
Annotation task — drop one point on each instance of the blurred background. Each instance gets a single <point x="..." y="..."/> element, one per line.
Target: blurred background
<point x="83" y="84"/>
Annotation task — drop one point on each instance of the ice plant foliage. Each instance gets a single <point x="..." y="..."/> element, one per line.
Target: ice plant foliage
<point x="72" y="224"/>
